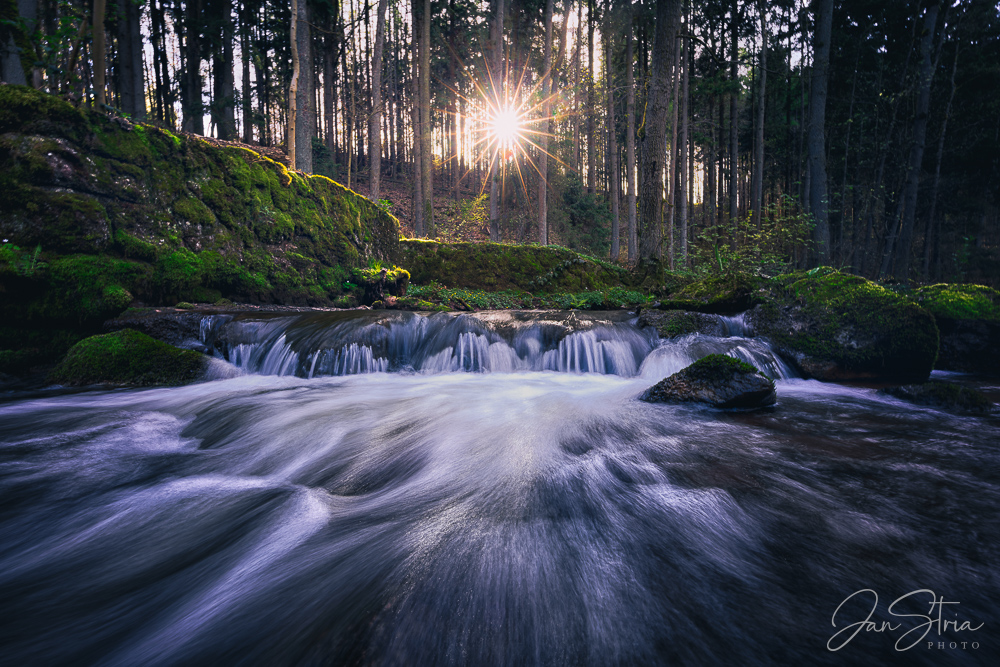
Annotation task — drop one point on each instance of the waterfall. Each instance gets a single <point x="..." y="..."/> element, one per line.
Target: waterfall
<point x="350" y="343"/>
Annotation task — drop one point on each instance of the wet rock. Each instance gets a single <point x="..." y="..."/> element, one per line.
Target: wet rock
<point x="166" y="324"/>
<point x="968" y="317"/>
<point x="128" y="358"/>
<point x="835" y="326"/>
<point x="945" y="395"/>
<point x="718" y="380"/>
<point x="675" y="323"/>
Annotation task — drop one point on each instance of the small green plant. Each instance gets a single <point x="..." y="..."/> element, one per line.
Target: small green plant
<point x="385" y="205"/>
<point x="23" y="262"/>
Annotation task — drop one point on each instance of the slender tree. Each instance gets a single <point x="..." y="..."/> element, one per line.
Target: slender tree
<point x="630" y="136"/>
<point x="375" y="119"/>
<point x="818" y="201"/>
<point x="100" y="55"/>
<point x="543" y="158"/>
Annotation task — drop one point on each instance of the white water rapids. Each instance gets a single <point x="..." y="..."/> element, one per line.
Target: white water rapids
<point x="306" y="510"/>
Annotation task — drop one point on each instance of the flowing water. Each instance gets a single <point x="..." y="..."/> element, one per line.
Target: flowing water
<point x="398" y="489"/>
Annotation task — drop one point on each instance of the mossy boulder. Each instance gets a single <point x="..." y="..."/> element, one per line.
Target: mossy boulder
<point x="723" y="294"/>
<point x="198" y="221"/>
<point x="968" y="317"/>
<point x="676" y="323"/>
<point x="127" y="358"/>
<point x="719" y="380"/>
<point x="945" y="395"/>
<point x="836" y="326"/>
<point x="498" y="266"/>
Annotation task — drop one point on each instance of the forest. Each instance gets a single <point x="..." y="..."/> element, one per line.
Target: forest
<point x="711" y="135"/>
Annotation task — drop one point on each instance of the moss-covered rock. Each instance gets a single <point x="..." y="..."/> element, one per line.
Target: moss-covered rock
<point x="129" y="358"/>
<point x="946" y="395"/>
<point x="204" y="221"/>
<point x="968" y="317"/>
<point x="675" y="323"/>
<point x="498" y="266"/>
<point x="718" y="380"/>
<point x="724" y="294"/>
<point x="836" y="326"/>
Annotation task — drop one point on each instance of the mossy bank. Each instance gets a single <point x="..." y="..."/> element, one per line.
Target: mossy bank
<point x="97" y="212"/>
<point x="128" y="358"/>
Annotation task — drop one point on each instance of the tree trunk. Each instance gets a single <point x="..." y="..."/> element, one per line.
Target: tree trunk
<point x="543" y="140"/>
<point x="426" y="127"/>
<point x="927" y="63"/>
<point x="612" y="137"/>
<point x="757" y="194"/>
<point x="630" y="138"/>
<point x="685" y="148"/>
<point x="246" y="95"/>
<point x="496" y="164"/>
<point x="591" y="111"/>
<point x="818" y="201"/>
<point x="931" y="228"/>
<point x="673" y="177"/>
<point x="418" y="181"/>
<point x="305" y="124"/>
<point x="100" y="56"/>
<point x="192" y="106"/>
<point x="225" y="99"/>
<point x="734" y="121"/>
<point x="374" y="121"/>
<point x="654" y="141"/>
<point x="291" y="136"/>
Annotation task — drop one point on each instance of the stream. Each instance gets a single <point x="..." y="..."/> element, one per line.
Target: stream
<point x="404" y="489"/>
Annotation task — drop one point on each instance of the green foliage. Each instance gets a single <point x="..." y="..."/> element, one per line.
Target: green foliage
<point x="127" y="357"/>
<point x="21" y="262"/>
<point x="718" y="365"/>
<point x="769" y="247"/>
<point x="583" y="221"/>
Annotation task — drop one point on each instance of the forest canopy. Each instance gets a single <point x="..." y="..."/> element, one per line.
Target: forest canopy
<point x="723" y="134"/>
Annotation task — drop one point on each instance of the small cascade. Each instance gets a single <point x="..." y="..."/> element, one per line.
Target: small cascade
<point x="735" y="325"/>
<point x="357" y="342"/>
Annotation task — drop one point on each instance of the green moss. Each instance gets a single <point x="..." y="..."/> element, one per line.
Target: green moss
<point x="194" y="211"/>
<point x="718" y="365"/>
<point x="960" y="302"/>
<point x="730" y="293"/>
<point x="127" y="357"/>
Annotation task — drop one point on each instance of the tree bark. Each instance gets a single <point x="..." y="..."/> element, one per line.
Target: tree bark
<point x="757" y="194"/>
<point x="903" y="252"/>
<point x="633" y="244"/>
<point x="543" y="158"/>
<point x="818" y="201"/>
<point x="291" y="136"/>
<point x="734" y="121"/>
<point x="591" y="111"/>
<point x="685" y="148"/>
<point x="418" y="181"/>
<point x="612" y="137"/>
<point x="100" y="56"/>
<point x="931" y="228"/>
<point x="305" y="124"/>
<point x="426" y="125"/>
<point x="374" y="121"/>
<point x="496" y="165"/>
<point x="653" y="149"/>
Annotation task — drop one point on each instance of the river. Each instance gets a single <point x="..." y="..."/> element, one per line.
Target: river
<point x="488" y="491"/>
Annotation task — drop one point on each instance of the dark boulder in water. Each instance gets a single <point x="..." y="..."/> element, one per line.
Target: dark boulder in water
<point x="718" y="380"/>
<point x="945" y="395"/>
<point x="675" y="323"/>
<point x="129" y="358"/>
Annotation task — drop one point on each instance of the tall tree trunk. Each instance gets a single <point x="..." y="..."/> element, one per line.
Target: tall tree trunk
<point x="757" y="194"/>
<point x="305" y="124"/>
<point x="427" y="161"/>
<point x="246" y="94"/>
<point x="418" y="181"/>
<point x="133" y="91"/>
<point x="591" y="111"/>
<point x="818" y="201"/>
<point x="225" y="83"/>
<point x="577" y="78"/>
<point x="374" y="121"/>
<point x="612" y="136"/>
<point x="496" y="165"/>
<point x="630" y="137"/>
<point x="734" y="121"/>
<point x="685" y="148"/>
<point x="673" y="177"/>
<point x="654" y="141"/>
<point x="931" y="227"/>
<point x="293" y="89"/>
<point x="193" y="109"/>
<point x="100" y="56"/>
<point x="329" y="93"/>
<point x="927" y="63"/>
<point x="543" y="158"/>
